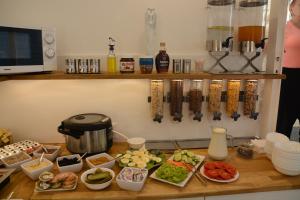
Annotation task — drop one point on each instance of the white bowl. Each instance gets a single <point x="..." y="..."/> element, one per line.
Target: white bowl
<point x="271" y="139"/>
<point x="34" y="174"/>
<point x="136" y="143"/>
<point x="51" y="156"/>
<point x="108" y="164"/>
<point x="129" y="185"/>
<point x="286" y="150"/>
<point x="96" y="186"/>
<point x="287" y="171"/>
<point x="286" y="163"/>
<point x="70" y="168"/>
<point x="16" y="165"/>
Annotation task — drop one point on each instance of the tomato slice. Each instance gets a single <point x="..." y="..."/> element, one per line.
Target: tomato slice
<point x="211" y="173"/>
<point x="225" y="175"/>
<point x="209" y="165"/>
<point x="230" y="169"/>
<point x="219" y="165"/>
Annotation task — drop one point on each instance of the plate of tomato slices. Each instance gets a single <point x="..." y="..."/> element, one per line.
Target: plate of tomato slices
<point x="219" y="172"/>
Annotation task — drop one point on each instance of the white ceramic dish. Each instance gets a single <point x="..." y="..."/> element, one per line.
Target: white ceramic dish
<point x="51" y="156"/>
<point x="183" y="183"/>
<point x="108" y="164"/>
<point x="70" y="168"/>
<point x="237" y="175"/>
<point x="286" y="163"/>
<point x="136" y="143"/>
<point x="37" y="189"/>
<point x="280" y="153"/>
<point x="130" y="185"/>
<point x="271" y="139"/>
<point x="287" y="171"/>
<point x="34" y="174"/>
<point x="16" y="165"/>
<point x="96" y="186"/>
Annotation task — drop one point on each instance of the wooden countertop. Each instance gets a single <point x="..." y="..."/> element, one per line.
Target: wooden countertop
<point x="256" y="175"/>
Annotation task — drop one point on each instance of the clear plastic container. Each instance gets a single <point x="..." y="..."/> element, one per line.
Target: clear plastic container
<point x="252" y="20"/>
<point x="195" y="100"/>
<point x="176" y="99"/>
<point x="233" y="94"/>
<point x="214" y="98"/>
<point x="157" y="99"/>
<point x="250" y="96"/>
<point x="220" y="23"/>
<point x="214" y="95"/>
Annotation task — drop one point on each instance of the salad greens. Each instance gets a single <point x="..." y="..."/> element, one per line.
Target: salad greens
<point x="172" y="173"/>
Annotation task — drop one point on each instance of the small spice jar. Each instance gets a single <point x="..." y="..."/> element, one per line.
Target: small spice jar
<point x="146" y="65"/>
<point x="127" y="64"/>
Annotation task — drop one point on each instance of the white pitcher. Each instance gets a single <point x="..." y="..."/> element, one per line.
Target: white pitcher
<point x="217" y="149"/>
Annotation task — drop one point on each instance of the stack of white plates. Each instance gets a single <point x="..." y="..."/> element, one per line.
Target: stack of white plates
<point x="271" y="139"/>
<point x="286" y="157"/>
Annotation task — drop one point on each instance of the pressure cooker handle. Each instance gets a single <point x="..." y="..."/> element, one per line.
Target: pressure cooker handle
<point x="73" y="133"/>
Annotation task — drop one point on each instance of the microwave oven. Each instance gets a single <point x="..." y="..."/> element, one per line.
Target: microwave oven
<point x="25" y="50"/>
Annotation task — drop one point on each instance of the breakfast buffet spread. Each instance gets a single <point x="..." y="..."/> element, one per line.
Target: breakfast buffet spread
<point x="130" y="168"/>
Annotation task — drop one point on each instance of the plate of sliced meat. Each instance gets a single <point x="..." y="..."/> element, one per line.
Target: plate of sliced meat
<point x="219" y="172"/>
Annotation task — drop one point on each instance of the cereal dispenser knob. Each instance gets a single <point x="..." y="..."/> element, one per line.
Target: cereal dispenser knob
<point x="235" y="116"/>
<point x="217" y="116"/>
<point x="198" y="116"/>
<point x="177" y="117"/>
<point x="254" y="115"/>
<point x="158" y="118"/>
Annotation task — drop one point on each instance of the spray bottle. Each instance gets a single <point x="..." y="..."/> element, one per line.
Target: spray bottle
<point x="111" y="57"/>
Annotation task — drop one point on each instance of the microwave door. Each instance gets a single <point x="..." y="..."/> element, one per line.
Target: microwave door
<point x="20" y="47"/>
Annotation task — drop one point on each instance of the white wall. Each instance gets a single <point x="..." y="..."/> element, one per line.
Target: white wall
<point x="34" y="109"/>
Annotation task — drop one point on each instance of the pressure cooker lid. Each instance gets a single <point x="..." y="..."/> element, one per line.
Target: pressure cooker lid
<point x="87" y="122"/>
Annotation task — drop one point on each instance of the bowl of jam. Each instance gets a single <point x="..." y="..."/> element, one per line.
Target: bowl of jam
<point x="70" y="163"/>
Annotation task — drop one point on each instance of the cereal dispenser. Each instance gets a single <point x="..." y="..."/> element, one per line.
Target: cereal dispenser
<point x="214" y="98"/>
<point x="176" y="99"/>
<point x="252" y="29"/>
<point x="196" y="98"/>
<point x="233" y="96"/>
<point x="219" y="30"/>
<point x="157" y="100"/>
<point x="250" y="98"/>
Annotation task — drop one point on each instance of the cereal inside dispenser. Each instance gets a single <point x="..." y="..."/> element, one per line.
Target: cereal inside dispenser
<point x="233" y="96"/>
<point x="214" y="98"/>
<point x="176" y="99"/>
<point x="250" y="98"/>
<point x="196" y="98"/>
<point x="157" y="100"/>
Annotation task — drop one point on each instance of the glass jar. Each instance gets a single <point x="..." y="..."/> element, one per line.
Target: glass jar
<point x="252" y="20"/>
<point x="233" y="96"/>
<point x="250" y="96"/>
<point x="214" y="96"/>
<point x="220" y="23"/>
<point x="195" y="100"/>
<point x="146" y="65"/>
<point x="127" y="64"/>
<point x="157" y="100"/>
<point x="176" y="99"/>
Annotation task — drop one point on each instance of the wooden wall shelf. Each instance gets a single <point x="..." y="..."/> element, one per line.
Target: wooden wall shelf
<point x="63" y="76"/>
